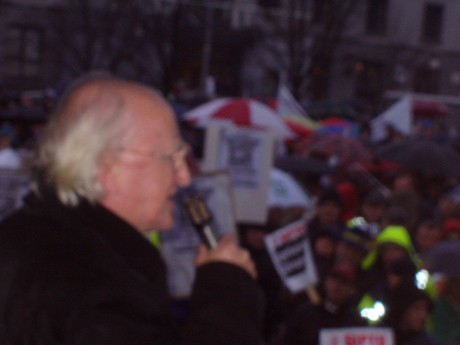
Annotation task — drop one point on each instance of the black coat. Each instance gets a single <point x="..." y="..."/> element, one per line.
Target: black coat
<point x="304" y="324"/>
<point x="84" y="276"/>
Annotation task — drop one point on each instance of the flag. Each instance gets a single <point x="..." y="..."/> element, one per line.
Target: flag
<point x="399" y="115"/>
<point x="287" y="104"/>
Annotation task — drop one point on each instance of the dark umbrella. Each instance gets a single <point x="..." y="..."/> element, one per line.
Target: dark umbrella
<point x="423" y="156"/>
<point x="428" y="108"/>
<point x="303" y="165"/>
<point x="347" y="150"/>
<point x="444" y="258"/>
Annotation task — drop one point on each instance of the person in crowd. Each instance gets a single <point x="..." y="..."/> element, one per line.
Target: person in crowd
<point x="380" y="265"/>
<point x="9" y="157"/>
<point x="426" y="235"/>
<point x="353" y="245"/>
<point x="408" y="314"/>
<point x="337" y="309"/>
<point x="75" y="261"/>
<point x="405" y="194"/>
<point x="355" y="242"/>
<point x="372" y="210"/>
<point x="324" y="229"/>
<point x="450" y="229"/>
<point x="349" y="194"/>
<point x="448" y="206"/>
<point x="446" y="312"/>
<point x="278" y="298"/>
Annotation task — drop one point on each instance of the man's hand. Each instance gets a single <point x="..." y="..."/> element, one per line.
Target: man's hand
<point x="228" y="250"/>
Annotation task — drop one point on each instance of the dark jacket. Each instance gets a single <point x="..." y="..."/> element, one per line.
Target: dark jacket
<point x="84" y="276"/>
<point x="304" y="325"/>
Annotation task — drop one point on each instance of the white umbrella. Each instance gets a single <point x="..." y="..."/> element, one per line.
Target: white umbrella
<point x="242" y="112"/>
<point x="285" y="191"/>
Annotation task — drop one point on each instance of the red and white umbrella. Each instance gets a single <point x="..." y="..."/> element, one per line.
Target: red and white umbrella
<point x="242" y="112"/>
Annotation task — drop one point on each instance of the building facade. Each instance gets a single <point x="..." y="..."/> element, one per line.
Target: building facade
<point x="385" y="45"/>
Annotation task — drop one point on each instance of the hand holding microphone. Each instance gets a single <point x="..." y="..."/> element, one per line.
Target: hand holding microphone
<point x="227" y="249"/>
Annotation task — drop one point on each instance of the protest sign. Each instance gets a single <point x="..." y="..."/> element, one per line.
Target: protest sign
<point x="357" y="336"/>
<point x="247" y="155"/>
<point x="179" y="246"/>
<point x="291" y="255"/>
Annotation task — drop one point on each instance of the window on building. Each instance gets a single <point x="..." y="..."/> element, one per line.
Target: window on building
<point x="432" y="23"/>
<point x="426" y="80"/>
<point x="376" y="17"/>
<point x="23" y="50"/>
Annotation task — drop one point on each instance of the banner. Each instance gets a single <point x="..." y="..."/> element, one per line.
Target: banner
<point x="291" y="255"/>
<point x="356" y="336"/>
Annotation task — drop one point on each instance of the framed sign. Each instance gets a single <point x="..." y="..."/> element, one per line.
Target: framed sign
<point x="247" y="156"/>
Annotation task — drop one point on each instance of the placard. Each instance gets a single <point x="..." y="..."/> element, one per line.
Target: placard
<point x="357" y="336"/>
<point x="291" y="255"/>
<point x="247" y="155"/>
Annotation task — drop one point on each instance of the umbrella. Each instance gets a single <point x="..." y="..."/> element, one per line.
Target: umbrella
<point x="335" y="125"/>
<point x="444" y="258"/>
<point x="346" y="149"/>
<point x="242" y="112"/>
<point x="423" y="156"/>
<point x="429" y="108"/>
<point x="285" y="191"/>
<point x="303" y="165"/>
<point x="300" y="125"/>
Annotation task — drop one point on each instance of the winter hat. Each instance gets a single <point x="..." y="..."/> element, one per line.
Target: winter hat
<point x="357" y="236"/>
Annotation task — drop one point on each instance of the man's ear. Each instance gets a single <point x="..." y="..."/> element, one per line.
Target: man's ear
<point x="106" y="174"/>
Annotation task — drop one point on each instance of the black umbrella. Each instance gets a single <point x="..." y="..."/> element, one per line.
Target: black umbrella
<point x="444" y="258"/>
<point x="305" y="165"/>
<point x="423" y="156"/>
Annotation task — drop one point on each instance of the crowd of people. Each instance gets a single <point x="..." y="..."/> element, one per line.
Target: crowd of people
<point x="77" y="267"/>
<point x="371" y="244"/>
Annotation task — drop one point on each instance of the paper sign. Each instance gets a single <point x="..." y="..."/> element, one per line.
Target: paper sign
<point x="291" y="254"/>
<point x="247" y="155"/>
<point x="357" y="336"/>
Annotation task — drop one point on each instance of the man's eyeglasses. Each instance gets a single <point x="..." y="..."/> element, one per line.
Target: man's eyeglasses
<point x="177" y="158"/>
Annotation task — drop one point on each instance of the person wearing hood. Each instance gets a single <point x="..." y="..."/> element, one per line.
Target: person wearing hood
<point x="393" y="255"/>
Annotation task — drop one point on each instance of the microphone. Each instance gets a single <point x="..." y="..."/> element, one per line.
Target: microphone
<point x="201" y="218"/>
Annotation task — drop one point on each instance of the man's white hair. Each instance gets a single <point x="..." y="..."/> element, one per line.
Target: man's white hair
<point x="76" y="139"/>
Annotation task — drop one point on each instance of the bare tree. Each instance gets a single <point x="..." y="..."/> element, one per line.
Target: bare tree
<point x="95" y="35"/>
<point x="304" y="35"/>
